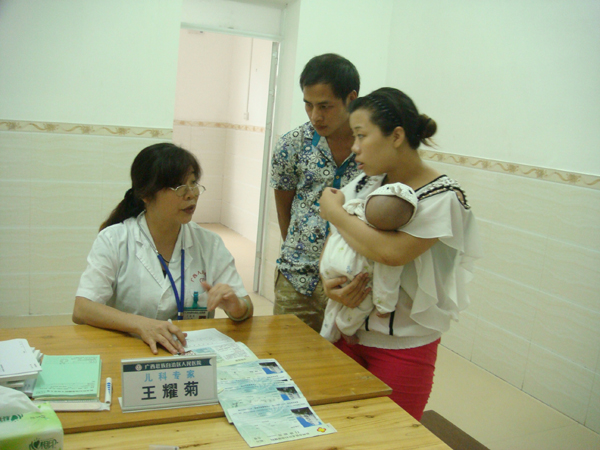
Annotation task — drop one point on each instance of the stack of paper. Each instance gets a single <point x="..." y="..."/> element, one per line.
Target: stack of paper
<point x="69" y="377"/>
<point x="18" y="364"/>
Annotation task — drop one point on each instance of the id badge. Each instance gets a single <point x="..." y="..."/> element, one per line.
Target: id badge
<point x="195" y="311"/>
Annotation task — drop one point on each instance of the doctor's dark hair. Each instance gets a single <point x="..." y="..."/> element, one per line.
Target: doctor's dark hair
<point x="334" y="70"/>
<point x="156" y="167"/>
<point x="391" y="108"/>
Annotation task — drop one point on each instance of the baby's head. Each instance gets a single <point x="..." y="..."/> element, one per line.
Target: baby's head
<point x="388" y="212"/>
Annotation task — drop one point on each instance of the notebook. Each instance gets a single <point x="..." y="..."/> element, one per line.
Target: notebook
<point x="69" y="377"/>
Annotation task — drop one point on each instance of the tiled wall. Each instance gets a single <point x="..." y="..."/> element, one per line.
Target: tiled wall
<point x="534" y="320"/>
<point x="535" y="314"/>
<point x="58" y="182"/>
<point x="231" y="158"/>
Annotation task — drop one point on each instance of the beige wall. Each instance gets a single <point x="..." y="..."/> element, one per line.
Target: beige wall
<point x="534" y="318"/>
<point x="56" y="186"/>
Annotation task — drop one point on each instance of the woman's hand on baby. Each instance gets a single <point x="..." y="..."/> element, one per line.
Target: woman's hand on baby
<point x="350" y="295"/>
<point x="154" y="332"/>
<point x="331" y="199"/>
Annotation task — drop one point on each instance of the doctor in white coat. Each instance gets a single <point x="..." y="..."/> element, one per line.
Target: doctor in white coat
<point x="151" y="263"/>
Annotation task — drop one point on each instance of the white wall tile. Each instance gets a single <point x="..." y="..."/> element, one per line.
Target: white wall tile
<point x="244" y="170"/>
<point x="112" y="194"/>
<point x="53" y="292"/>
<point x="15" y="154"/>
<point x="118" y="155"/>
<point x="207" y="211"/>
<point x="511" y="200"/>
<point x="58" y="204"/>
<point x="214" y="187"/>
<point x="245" y="144"/>
<point x="500" y="352"/>
<point x="568" y="330"/>
<point x="15" y="250"/>
<point x="211" y="163"/>
<point x="592" y="420"/>
<point x="572" y="272"/>
<point x="563" y="385"/>
<point x="14" y="294"/>
<point x="68" y="158"/>
<point x="61" y="249"/>
<point x="182" y="136"/>
<point x="461" y="336"/>
<point x="207" y="139"/>
<point x="572" y="214"/>
<point x="505" y="303"/>
<point x="514" y="254"/>
<point x="241" y="221"/>
<point x="243" y="196"/>
<point x="15" y="210"/>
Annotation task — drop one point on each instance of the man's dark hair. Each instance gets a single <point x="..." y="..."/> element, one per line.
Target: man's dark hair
<point x="334" y="70"/>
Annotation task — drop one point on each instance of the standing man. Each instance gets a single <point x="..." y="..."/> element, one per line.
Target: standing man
<point x="308" y="159"/>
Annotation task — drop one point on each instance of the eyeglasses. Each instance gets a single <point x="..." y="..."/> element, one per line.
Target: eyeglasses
<point x="183" y="190"/>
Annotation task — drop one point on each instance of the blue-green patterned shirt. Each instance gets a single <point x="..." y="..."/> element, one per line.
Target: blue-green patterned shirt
<point x="303" y="162"/>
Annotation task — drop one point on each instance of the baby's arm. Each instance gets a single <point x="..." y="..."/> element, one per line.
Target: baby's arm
<point x="386" y="288"/>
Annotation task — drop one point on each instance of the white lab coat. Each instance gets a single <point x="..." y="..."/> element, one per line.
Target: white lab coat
<point x="124" y="271"/>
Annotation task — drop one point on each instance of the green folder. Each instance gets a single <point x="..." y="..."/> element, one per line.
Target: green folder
<point x="69" y="377"/>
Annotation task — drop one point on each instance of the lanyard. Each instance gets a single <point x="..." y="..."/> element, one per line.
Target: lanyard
<point x="179" y="297"/>
<point x="179" y="300"/>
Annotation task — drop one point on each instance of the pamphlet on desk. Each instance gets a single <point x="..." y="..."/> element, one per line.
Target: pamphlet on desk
<point x="265" y="424"/>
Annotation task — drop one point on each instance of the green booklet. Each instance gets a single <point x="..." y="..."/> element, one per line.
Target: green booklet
<point x="69" y="377"/>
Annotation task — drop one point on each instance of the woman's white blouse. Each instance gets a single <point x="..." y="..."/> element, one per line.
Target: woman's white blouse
<point x="124" y="271"/>
<point x="432" y="286"/>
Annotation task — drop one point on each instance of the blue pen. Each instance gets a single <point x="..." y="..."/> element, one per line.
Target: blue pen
<point x="108" y="392"/>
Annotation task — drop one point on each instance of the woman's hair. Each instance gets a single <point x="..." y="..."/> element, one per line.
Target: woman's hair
<point x="391" y="108"/>
<point x="156" y="167"/>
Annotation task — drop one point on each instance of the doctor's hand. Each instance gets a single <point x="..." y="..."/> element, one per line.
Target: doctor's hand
<point x="154" y="332"/>
<point x="350" y="295"/>
<point x="220" y="295"/>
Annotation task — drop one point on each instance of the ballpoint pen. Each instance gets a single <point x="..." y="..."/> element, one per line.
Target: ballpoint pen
<point x="175" y="338"/>
<point x="108" y="392"/>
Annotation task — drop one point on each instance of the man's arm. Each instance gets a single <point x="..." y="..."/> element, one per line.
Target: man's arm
<point x="283" y="202"/>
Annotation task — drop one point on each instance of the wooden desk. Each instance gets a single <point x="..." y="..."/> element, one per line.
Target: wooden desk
<point x="323" y="373"/>
<point x="376" y="423"/>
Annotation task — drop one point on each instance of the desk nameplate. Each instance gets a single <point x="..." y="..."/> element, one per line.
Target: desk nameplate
<point x="168" y="382"/>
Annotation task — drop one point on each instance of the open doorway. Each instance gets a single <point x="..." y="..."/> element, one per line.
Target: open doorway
<point x="223" y="102"/>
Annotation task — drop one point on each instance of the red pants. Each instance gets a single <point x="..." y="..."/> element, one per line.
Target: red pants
<point x="409" y="372"/>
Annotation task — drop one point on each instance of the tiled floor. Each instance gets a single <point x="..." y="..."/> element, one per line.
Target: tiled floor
<point x="492" y="411"/>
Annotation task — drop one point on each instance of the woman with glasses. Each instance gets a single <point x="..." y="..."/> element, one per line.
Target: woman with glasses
<point x="151" y="264"/>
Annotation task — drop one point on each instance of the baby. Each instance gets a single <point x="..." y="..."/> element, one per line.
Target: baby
<point x="387" y="208"/>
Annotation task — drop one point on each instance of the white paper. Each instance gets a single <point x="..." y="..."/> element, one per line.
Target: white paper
<point x="262" y="368"/>
<point x="205" y="338"/>
<point x="227" y="353"/>
<point x="242" y="393"/>
<point x="281" y="422"/>
<point x="17" y="361"/>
